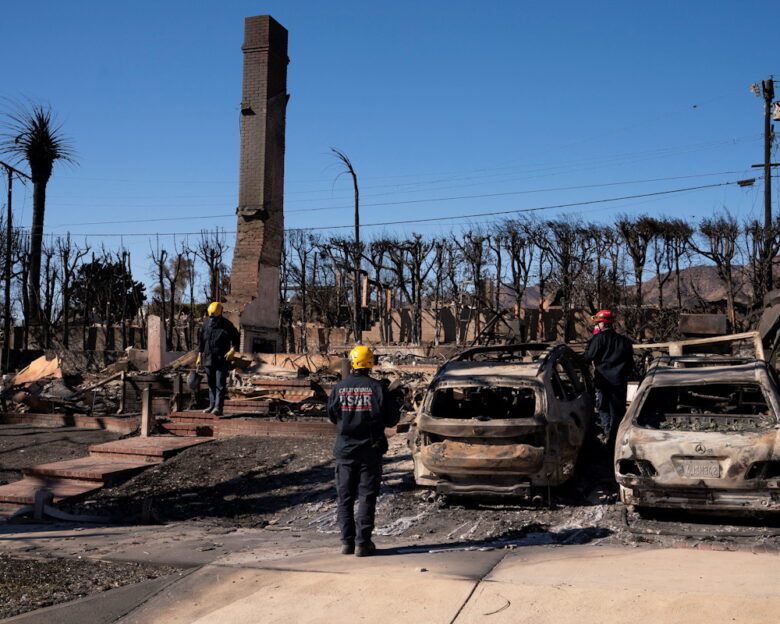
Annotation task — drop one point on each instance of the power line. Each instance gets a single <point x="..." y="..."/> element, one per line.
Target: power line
<point x="539" y="170"/>
<point x="507" y="193"/>
<point x="185" y="235"/>
<point x="458" y="174"/>
<point x="414" y="201"/>
<point x="505" y="212"/>
<point x="190" y="218"/>
<point x="435" y="219"/>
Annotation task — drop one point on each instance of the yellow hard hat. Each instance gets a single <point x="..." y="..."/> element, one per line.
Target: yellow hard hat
<point x="215" y="309"/>
<point x="361" y="357"/>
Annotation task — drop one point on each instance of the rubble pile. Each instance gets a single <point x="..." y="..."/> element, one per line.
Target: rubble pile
<point x="285" y="483"/>
<point x="260" y="388"/>
<point x="44" y="388"/>
<point x="278" y="387"/>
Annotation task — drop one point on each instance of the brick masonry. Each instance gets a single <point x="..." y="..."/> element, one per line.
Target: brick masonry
<point x="254" y="300"/>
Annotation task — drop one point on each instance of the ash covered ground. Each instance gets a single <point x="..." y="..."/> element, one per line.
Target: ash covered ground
<point x="286" y="484"/>
<point x="29" y="584"/>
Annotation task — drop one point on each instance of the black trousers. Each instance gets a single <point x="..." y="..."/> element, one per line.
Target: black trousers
<point x="357" y="480"/>
<point x="612" y="408"/>
<point x="216" y="376"/>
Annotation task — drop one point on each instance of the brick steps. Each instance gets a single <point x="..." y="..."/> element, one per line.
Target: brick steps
<point x="23" y="492"/>
<point x="9" y="509"/>
<point x="232" y="407"/>
<point x="106" y="464"/>
<point x="246" y="406"/>
<point x="256" y="427"/>
<point x="194" y="417"/>
<point x="105" y="469"/>
<point x="194" y="429"/>
<point x="227" y="427"/>
<point x="158" y="447"/>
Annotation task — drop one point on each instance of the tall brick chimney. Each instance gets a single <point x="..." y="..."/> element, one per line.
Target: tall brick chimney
<point x="253" y="304"/>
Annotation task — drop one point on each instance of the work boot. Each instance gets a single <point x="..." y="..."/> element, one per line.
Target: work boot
<point x="208" y="410"/>
<point x="348" y="548"/>
<point x="365" y="550"/>
<point x="217" y="411"/>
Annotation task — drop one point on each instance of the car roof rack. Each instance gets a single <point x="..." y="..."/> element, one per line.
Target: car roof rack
<point x="702" y="361"/>
<point x="678" y="348"/>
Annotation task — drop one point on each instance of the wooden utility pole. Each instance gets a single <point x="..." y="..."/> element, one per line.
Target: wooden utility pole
<point x="4" y="365"/>
<point x="768" y="90"/>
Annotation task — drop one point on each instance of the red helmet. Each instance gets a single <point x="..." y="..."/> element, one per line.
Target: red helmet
<point x="604" y="316"/>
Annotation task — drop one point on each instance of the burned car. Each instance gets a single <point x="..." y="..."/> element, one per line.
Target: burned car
<point x="702" y="434"/>
<point x="500" y="420"/>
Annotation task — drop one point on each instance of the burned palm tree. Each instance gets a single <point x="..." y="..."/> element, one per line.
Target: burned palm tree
<point x="32" y="134"/>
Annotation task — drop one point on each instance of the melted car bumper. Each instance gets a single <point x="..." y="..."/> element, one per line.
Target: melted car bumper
<point x="700" y="499"/>
<point x="455" y="457"/>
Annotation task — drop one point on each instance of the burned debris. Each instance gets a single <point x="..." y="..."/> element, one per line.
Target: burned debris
<point x="701" y="434"/>
<point x="499" y="420"/>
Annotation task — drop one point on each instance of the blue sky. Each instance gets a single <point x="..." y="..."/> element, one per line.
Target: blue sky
<point x="502" y="105"/>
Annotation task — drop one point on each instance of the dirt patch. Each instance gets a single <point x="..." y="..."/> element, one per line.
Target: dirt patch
<point x="22" y="446"/>
<point x="238" y="482"/>
<point x="29" y="584"/>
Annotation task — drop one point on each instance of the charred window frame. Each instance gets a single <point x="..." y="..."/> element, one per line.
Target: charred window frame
<point x="484" y="402"/>
<point x="576" y="375"/>
<point x="726" y="406"/>
<point x="567" y="382"/>
<point x="557" y="387"/>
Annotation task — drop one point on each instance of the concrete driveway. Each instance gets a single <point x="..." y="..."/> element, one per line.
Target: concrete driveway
<point x="250" y="577"/>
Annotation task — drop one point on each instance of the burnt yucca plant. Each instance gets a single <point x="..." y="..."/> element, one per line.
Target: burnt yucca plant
<point x="29" y="132"/>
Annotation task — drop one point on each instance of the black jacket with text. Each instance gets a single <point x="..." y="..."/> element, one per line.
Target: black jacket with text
<point x="612" y="355"/>
<point x="361" y="408"/>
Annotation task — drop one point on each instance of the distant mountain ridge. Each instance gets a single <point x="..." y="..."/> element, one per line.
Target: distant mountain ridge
<point x="697" y="283"/>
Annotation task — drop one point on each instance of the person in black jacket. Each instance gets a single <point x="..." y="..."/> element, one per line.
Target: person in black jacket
<point x="361" y="408"/>
<point x="219" y="340"/>
<point x="612" y="355"/>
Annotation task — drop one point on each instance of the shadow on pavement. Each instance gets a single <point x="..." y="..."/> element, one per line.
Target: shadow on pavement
<point x="531" y="535"/>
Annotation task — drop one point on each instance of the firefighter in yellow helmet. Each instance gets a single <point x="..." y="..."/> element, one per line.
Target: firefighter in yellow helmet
<point x="361" y="408"/>
<point x="218" y="342"/>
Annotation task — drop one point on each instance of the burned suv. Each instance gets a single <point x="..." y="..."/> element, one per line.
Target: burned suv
<point x="499" y="420"/>
<point x="702" y="434"/>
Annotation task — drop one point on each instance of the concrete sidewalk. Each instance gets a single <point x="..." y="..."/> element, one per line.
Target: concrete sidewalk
<point x="255" y="576"/>
<point x="582" y="584"/>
